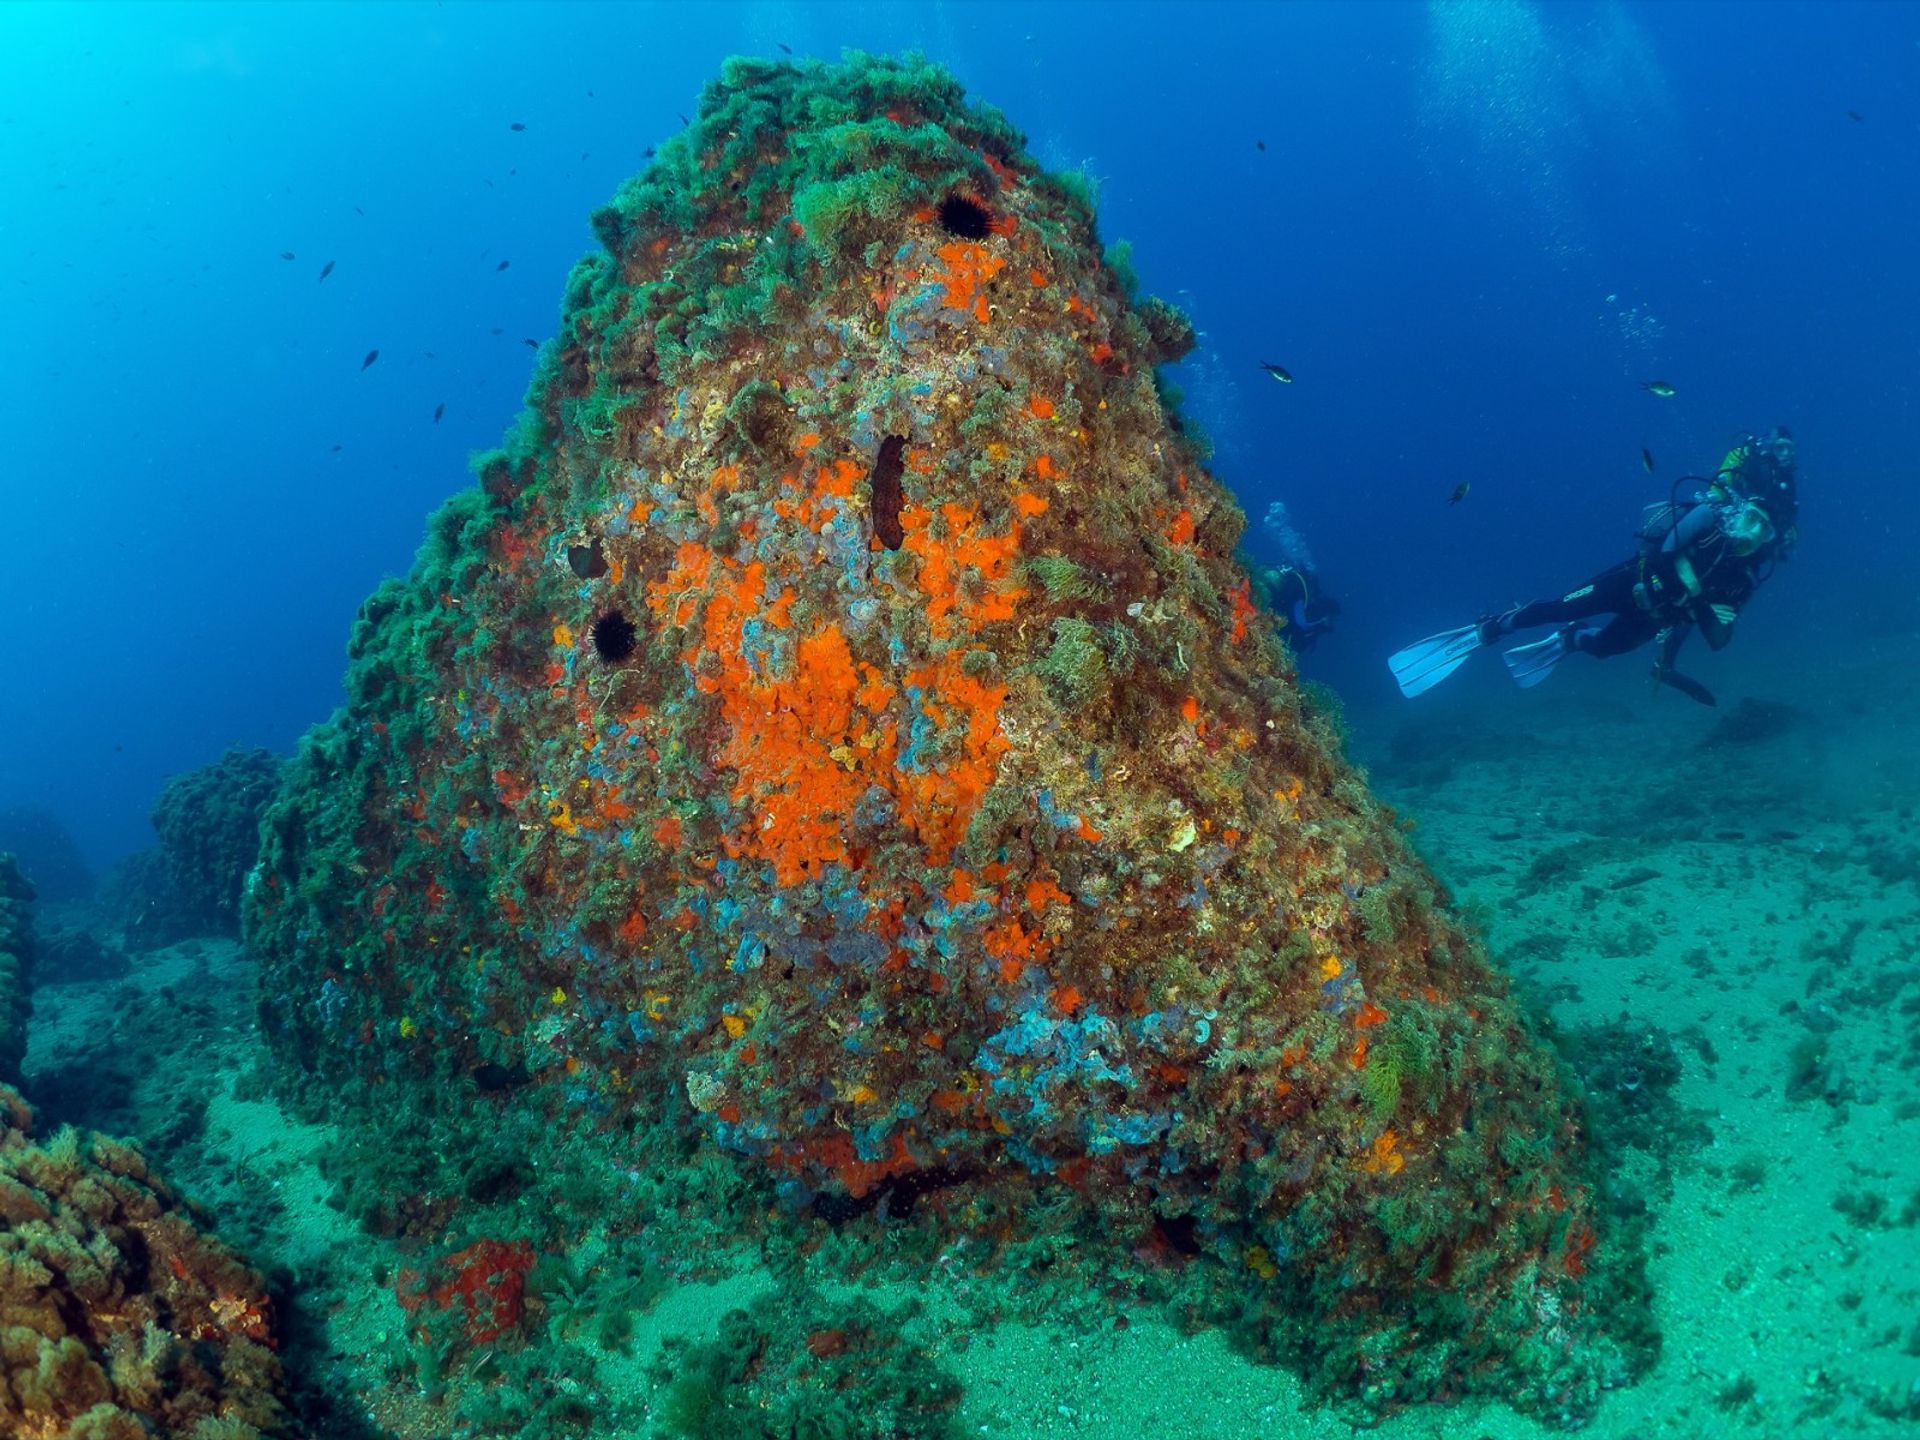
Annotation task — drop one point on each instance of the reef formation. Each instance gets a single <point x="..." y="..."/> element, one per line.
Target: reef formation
<point x="208" y="821"/>
<point x="836" y="731"/>
<point x="119" y="1319"/>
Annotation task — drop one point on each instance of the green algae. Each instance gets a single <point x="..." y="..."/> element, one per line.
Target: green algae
<point x="1075" y="666"/>
<point x="1065" y="580"/>
<point x="796" y="1366"/>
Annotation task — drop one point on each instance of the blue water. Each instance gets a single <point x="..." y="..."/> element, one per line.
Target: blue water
<point x="1473" y="231"/>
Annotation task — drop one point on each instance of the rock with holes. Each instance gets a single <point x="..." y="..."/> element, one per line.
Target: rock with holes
<point x="835" y="731"/>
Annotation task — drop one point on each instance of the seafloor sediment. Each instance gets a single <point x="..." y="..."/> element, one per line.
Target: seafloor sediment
<point x="835" y="742"/>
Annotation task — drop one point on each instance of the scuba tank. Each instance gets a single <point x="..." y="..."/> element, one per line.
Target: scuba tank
<point x="1659" y="520"/>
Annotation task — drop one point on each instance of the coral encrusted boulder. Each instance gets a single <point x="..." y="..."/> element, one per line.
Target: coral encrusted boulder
<point x="119" y="1320"/>
<point x="836" y="726"/>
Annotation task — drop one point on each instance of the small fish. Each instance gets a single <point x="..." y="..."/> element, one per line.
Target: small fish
<point x="326" y="270"/>
<point x="498" y="330"/>
<point x="683" y="119"/>
<point x="1856" y="117"/>
<point x="1278" y="372"/>
<point x="1646" y="459"/>
<point x="531" y="344"/>
<point x="438" y="411"/>
<point x="1460" y="492"/>
<point x="648" y="152"/>
<point x="358" y="211"/>
<point x="517" y="125"/>
<point x="287" y="255"/>
<point x="785" y="49"/>
<point x="1660" y="388"/>
<point x="1259" y="144"/>
<point x="372" y="355"/>
<point x="333" y="450"/>
<point x="501" y="266"/>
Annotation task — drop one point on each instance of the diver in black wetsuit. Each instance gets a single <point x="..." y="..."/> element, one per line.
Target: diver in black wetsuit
<point x="1279" y="562"/>
<point x="1300" y="602"/>
<point x="1700" y="560"/>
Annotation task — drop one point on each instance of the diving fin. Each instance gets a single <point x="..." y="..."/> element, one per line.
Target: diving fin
<point x="1425" y="663"/>
<point x="1530" y="664"/>
<point x="1688" y="687"/>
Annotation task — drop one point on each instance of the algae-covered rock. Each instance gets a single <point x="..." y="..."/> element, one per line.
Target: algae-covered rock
<point x="208" y="821"/>
<point x="835" y="730"/>
<point x="118" y="1318"/>
<point x="16" y="967"/>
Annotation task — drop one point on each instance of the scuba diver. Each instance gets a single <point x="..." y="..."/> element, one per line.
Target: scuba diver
<point x="1291" y="582"/>
<point x="1700" y="559"/>
<point x="1299" y="601"/>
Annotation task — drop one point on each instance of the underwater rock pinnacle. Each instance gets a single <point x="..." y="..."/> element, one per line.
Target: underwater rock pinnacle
<point x="836" y="728"/>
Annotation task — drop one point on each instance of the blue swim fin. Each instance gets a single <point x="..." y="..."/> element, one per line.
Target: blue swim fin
<point x="1530" y="664"/>
<point x="1425" y="663"/>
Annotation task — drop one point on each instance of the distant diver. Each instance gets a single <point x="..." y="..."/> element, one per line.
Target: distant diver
<point x="1299" y="601"/>
<point x="1700" y="559"/>
<point x="1291" y="582"/>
